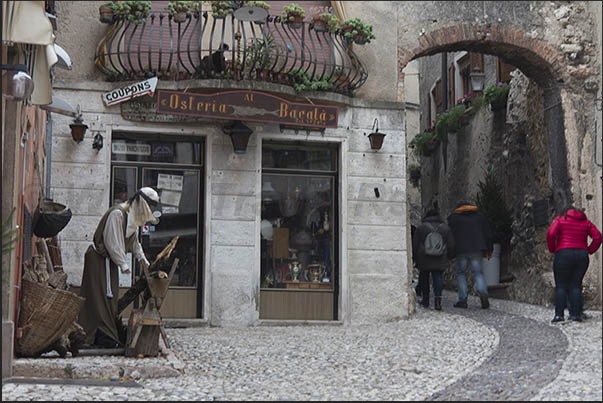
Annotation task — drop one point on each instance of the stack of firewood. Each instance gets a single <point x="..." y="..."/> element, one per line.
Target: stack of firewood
<point x="47" y="269"/>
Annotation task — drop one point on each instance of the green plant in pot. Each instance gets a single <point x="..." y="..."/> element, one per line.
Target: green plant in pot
<point x="293" y="14"/>
<point x="135" y="12"/>
<point x="261" y="4"/>
<point x="490" y="200"/>
<point x="325" y="22"/>
<point x="221" y="9"/>
<point x="107" y="12"/>
<point x="449" y="121"/>
<point x="358" y="31"/>
<point x="496" y="95"/>
<point x="301" y="82"/>
<point x="424" y="143"/>
<point x="260" y="54"/>
<point x="181" y="9"/>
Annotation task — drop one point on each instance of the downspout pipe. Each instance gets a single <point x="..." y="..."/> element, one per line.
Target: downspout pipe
<point x="48" y="154"/>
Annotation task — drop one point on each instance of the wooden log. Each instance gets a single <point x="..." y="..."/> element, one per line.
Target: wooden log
<point x="55" y="253"/>
<point x="43" y="250"/>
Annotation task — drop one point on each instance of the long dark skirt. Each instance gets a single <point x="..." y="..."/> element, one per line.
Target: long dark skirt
<point x="98" y="311"/>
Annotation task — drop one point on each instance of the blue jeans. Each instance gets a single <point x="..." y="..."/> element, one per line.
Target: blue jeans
<point x="475" y="260"/>
<point x="569" y="267"/>
<point x="438" y="283"/>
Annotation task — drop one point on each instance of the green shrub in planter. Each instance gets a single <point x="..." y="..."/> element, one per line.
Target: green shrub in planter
<point x="490" y="200"/>
<point x="221" y="9"/>
<point x="325" y="22"/>
<point x="424" y="143"/>
<point x="449" y="121"/>
<point x="497" y="94"/>
<point x="358" y="31"/>
<point x="291" y="11"/>
<point x="134" y="11"/>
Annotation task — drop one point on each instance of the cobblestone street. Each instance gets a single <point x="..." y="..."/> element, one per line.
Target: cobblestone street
<point x="509" y="352"/>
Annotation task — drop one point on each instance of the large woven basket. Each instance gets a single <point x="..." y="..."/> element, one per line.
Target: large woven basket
<point x="46" y="314"/>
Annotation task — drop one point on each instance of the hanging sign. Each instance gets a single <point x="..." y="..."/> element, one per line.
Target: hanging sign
<point x="253" y="106"/>
<point x="131" y="91"/>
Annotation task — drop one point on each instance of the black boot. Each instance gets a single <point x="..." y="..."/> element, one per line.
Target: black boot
<point x="438" y="303"/>
<point x="425" y="301"/>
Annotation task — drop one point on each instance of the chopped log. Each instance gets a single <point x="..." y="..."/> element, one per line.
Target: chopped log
<point x="43" y="250"/>
<point x="55" y="253"/>
<point x="141" y="283"/>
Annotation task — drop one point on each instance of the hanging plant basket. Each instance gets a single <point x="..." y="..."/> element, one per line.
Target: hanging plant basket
<point x="296" y="23"/>
<point x="180" y="17"/>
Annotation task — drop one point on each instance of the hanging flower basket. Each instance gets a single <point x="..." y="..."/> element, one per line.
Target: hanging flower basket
<point x="50" y="218"/>
<point x="498" y="104"/>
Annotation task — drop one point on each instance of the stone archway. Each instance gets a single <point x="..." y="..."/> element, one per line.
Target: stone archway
<point x="534" y="58"/>
<point x="553" y="44"/>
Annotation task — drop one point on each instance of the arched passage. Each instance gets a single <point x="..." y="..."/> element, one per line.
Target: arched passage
<point x="534" y="58"/>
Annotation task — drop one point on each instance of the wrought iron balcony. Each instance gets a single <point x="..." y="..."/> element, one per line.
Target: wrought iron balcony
<point x="225" y="48"/>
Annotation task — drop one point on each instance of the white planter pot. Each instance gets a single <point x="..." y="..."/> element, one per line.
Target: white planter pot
<point x="491" y="267"/>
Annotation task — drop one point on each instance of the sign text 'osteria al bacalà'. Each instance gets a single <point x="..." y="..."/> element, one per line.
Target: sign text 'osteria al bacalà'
<point x="246" y="105"/>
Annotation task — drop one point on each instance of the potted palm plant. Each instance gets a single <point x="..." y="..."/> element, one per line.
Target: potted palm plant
<point x="259" y="55"/>
<point x="293" y="14"/>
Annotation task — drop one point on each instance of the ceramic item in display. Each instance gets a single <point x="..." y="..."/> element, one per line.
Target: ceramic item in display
<point x="325" y="224"/>
<point x="266" y="229"/>
<point x="316" y="271"/>
<point x="295" y="269"/>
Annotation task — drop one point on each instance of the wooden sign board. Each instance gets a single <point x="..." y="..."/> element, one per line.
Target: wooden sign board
<point x="247" y="105"/>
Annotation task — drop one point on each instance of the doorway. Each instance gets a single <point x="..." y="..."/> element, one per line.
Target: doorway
<point x="174" y="168"/>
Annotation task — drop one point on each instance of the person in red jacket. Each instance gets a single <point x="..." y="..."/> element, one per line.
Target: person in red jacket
<point x="567" y="238"/>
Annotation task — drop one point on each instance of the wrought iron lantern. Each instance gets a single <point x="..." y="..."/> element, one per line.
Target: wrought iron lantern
<point x="78" y="129"/>
<point x="477" y="80"/>
<point x="375" y="137"/>
<point x="239" y="135"/>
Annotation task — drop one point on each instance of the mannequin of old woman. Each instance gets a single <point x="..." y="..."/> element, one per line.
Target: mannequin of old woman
<point x="115" y="236"/>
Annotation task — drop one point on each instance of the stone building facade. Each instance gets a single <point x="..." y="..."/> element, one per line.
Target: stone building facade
<point x="548" y="41"/>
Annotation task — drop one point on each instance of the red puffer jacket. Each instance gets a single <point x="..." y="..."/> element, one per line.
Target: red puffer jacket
<point x="572" y="231"/>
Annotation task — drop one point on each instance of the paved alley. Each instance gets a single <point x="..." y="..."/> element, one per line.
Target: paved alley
<point x="509" y="352"/>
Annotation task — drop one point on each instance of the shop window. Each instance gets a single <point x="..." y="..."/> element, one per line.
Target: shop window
<point x="298" y="227"/>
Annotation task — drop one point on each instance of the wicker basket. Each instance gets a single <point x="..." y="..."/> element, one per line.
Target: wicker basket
<point x="46" y="314"/>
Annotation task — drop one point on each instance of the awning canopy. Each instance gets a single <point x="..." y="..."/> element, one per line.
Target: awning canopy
<point x="25" y="22"/>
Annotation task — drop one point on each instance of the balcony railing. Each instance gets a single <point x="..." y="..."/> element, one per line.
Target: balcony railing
<point x="226" y="48"/>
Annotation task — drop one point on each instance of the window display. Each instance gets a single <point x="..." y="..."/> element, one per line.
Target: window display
<point x="296" y="229"/>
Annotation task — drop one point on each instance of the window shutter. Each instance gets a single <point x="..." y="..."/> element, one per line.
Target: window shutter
<point x="476" y="61"/>
<point x="451" y="86"/>
<point x="438" y="97"/>
<point x="503" y="71"/>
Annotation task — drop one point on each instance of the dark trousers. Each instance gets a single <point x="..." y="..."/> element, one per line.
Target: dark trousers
<point x="569" y="268"/>
<point x="438" y="283"/>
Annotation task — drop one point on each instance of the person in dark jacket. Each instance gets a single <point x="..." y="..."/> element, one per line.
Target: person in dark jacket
<point x="428" y="264"/>
<point x="473" y="241"/>
<point x="567" y="238"/>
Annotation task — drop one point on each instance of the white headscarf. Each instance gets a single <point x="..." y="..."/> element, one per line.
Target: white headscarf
<point x="140" y="212"/>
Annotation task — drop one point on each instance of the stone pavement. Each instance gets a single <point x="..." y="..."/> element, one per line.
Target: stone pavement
<point x="508" y="352"/>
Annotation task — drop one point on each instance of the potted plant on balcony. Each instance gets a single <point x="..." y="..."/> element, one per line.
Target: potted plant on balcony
<point x="221" y="9"/>
<point x="424" y="143"/>
<point x="358" y="31"/>
<point x="180" y="9"/>
<point x="259" y="55"/>
<point x="107" y="12"/>
<point x="293" y="15"/>
<point x="134" y="11"/>
<point x="497" y="95"/>
<point x="449" y="121"/>
<point x="325" y="22"/>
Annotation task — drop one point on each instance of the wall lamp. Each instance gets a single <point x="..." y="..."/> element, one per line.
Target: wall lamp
<point x="239" y="135"/>
<point x="97" y="143"/>
<point x="78" y="128"/>
<point x="19" y="84"/>
<point x="375" y="137"/>
<point x="477" y="80"/>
